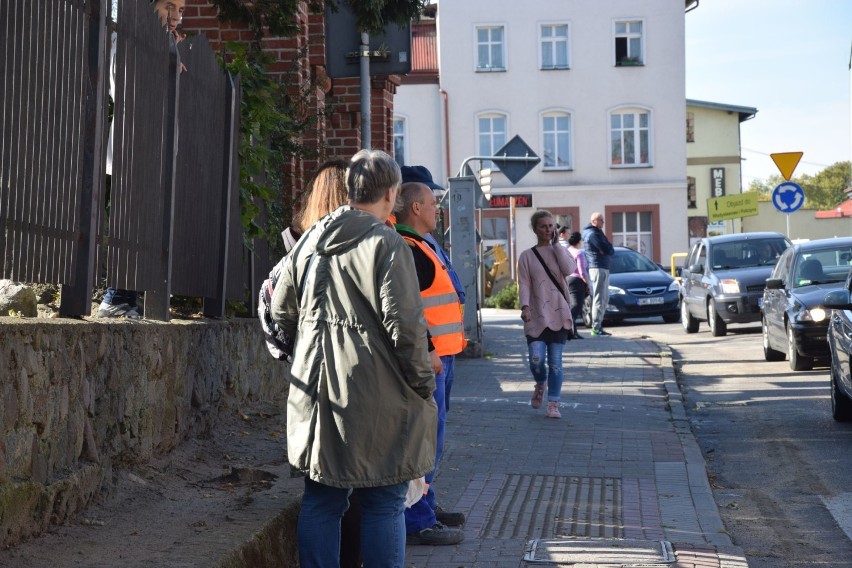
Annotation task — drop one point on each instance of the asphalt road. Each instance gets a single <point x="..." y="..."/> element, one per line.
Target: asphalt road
<point x="779" y="465"/>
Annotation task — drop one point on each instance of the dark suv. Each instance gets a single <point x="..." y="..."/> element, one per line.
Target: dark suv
<point x="723" y="279"/>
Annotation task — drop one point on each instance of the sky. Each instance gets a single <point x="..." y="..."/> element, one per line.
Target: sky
<point x="787" y="58"/>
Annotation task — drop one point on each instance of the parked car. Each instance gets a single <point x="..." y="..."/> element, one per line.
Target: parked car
<point x="723" y="278"/>
<point x="840" y="346"/>
<point x="795" y="321"/>
<point x="638" y="288"/>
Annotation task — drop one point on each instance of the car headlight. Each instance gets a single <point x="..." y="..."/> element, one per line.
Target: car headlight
<point x="673" y="287"/>
<point x="613" y="291"/>
<point x="815" y="315"/>
<point x="730" y="286"/>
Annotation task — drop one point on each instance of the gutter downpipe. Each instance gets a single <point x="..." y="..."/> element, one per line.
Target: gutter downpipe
<point x="447" y="164"/>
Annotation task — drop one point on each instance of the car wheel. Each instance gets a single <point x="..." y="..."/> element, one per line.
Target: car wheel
<point x="769" y="353"/>
<point x="587" y="312"/>
<point x="690" y="324"/>
<point x="671" y="318"/>
<point x="841" y="406"/>
<point x="797" y="362"/>
<point x="718" y="327"/>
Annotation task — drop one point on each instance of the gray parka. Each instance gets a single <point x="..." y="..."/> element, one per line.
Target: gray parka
<point x="360" y="411"/>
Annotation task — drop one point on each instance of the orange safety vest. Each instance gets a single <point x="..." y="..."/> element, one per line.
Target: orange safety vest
<point x="441" y="307"/>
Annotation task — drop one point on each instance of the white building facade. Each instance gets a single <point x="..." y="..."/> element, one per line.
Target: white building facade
<point x="596" y="89"/>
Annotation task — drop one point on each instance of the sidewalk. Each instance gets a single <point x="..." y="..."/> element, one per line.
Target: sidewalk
<point x="618" y="475"/>
<point x="620" y="469"/>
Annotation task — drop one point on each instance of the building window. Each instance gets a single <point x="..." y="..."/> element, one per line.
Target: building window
<point x="628" y="44"/>
<point x="691" y="199"/>
<point x="690" y="127"/>
<point x="633" y="229"/>
<point x="490" y="48"/>
<point x="630" y="138"/>
<point x="399" y="140"/>
<point x="554" y="46"/>
<point x="556" y="140"/>
<point x="491" y="131"/>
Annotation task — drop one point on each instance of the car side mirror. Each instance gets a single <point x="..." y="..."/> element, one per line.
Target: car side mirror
<point x="774" y="284"/>
<point x="697" y="268"/>
<point x="838" y="299"/>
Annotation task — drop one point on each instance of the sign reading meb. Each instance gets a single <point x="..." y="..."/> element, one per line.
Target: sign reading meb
<point x="732" y="206"/>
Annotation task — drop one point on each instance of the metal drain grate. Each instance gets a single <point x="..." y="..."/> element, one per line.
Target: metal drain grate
<point x="549" y="506"/>
<point x="600" y="553"/>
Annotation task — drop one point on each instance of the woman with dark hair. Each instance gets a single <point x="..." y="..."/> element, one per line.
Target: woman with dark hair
<point x="578" y="281"/>
<point x="545" y="310"/>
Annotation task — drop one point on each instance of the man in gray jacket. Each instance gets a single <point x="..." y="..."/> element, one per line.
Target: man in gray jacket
<point x="360" y="412"/>
<point x="598" y="252"/>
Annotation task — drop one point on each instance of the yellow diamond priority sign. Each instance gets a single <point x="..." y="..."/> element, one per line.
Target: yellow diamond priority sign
<point x="786" y="162"/>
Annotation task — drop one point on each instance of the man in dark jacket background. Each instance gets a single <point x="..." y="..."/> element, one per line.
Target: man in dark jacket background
<point x="598" y="253"/>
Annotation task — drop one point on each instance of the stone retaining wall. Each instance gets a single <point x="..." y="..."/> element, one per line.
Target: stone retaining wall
<point x="79" y="397"/>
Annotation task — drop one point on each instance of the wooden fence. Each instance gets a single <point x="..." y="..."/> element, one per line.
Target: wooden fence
<point x="169" y="220"/>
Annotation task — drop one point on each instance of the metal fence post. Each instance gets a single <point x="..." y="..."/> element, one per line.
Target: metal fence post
<point x="76" y="298"/>
<point x="215" y="307"/>
<point x="157" y="298"/>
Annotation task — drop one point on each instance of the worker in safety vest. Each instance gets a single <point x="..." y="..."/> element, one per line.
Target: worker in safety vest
<point x="417" y="215"/>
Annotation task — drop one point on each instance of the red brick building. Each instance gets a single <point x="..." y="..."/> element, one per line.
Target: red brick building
<point x="300" y="61"/>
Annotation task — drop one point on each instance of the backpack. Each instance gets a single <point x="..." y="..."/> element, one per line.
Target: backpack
<point x="279" y="344"/>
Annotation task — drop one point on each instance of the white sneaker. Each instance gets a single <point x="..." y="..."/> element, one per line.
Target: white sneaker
<point x="121" y="310"/>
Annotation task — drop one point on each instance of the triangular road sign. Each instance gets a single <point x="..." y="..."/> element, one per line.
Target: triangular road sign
<point x="786" y="162"/>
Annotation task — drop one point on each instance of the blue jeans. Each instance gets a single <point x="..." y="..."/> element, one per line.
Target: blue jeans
<point x="449" y="362"/>
<point x="421" y="515"/>
<point x="116" y="297"/>
<point x="550" y="372"/>
<point x="382" y="525"/>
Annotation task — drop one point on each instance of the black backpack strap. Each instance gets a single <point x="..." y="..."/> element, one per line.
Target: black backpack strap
<point x="550" y="275"/>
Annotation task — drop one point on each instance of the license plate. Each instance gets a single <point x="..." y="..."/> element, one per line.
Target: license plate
<point x="647" y="301"/>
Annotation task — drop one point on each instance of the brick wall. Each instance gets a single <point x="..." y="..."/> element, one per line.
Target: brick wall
<point x="302" y="57"/>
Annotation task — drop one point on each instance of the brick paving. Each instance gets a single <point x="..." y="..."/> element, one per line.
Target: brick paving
<point x="621" y="463"/>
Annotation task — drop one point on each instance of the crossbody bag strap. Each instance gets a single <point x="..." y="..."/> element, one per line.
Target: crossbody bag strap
<point x="550" y="274"/>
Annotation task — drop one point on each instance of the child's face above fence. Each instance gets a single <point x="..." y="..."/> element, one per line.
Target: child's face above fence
<point x="170" y="12"/>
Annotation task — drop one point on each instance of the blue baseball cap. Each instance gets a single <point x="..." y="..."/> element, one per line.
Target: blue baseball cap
<point x="419" y="174"/>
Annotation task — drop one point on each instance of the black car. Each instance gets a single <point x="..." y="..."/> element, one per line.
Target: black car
<point x="795" y="321"/>
<point x="638" y="288"/>
<point x="723" y="279"/>
<point x="840" y="346"/>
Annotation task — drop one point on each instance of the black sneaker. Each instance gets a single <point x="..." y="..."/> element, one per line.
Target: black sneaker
<point x="603" y="332"/>
<point x="448" y="518"/>
<point x="436" y="535"/>
<point x="577" y="335"/>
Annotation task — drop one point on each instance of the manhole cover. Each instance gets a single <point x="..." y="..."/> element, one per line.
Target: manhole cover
<point x="600" y="552"/>
<point x="549" y="506"/>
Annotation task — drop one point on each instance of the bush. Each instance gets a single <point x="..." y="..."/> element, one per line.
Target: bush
<point x="506" y="299"/>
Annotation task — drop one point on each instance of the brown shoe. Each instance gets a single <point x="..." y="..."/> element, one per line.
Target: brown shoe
<point x="538" y="396"/>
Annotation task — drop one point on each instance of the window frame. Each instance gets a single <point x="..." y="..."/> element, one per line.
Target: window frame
<point x="491" y="114"/>
<point x="641" y="59"/>
<point x="404" y="136"/>
<point x="610" y="211"/>
<point x="504" y="52"/>
<point x="636" y="111"/>
<point x="553" y="41"/>
<point x="555" y="113"/>
<point x="691" y="193"/>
